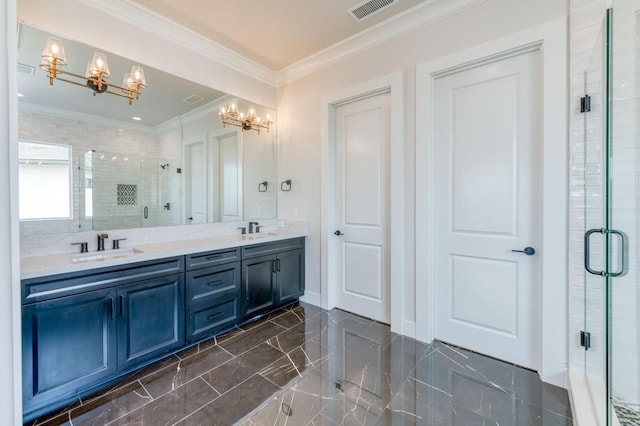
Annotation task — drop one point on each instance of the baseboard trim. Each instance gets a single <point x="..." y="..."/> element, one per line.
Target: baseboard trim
<point x="409" y="328"/>
<point x="312" y="298"/>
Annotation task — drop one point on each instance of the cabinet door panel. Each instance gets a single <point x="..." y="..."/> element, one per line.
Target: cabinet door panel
<point x="258" y="285"/>
<point x="290" y="267"/>
<point x="152" y="319"/>
<point x="67" y="344"/>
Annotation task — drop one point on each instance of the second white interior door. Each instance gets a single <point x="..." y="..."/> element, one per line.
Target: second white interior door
<point x="362" y="207"/>
<point x="487" y="204"/>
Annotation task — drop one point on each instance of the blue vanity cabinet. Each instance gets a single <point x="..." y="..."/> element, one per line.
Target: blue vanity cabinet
<point x="272" y="275"/>
<point x="83" y="330"/>
<point x="67" y="344"/>
<point x="212" y="293"/>
<point x="151" y="320"/>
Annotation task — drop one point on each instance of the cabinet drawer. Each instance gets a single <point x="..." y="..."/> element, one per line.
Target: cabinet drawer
<point x="211" y="258"/>
<point x="217" y="281"/>
<point x="54" y="286"/>
<point x="272" y="248"/>
<point x="206" y="319"/>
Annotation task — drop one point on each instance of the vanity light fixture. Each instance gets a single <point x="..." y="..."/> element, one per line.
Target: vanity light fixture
<point x="249" y="121"/>
<point x="95" y="78"/>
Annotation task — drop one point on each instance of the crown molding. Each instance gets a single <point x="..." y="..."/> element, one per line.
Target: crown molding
<point x="412" y="19"/>
<point x="141" y="17"/>
<point x="210" y="108"/>
<point x="79" y="116"/>
<point x="167" y="126"/>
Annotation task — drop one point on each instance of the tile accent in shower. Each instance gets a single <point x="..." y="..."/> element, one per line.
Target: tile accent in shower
<point x="127" y="195"/>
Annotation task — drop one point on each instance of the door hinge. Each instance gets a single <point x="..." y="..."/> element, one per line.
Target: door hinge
<point x="585" y="103"/>
<point x="585" y="340"/>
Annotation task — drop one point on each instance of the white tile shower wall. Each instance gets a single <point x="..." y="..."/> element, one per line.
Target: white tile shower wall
<point x="84" y="136"/>
<point x="625" y="165"/>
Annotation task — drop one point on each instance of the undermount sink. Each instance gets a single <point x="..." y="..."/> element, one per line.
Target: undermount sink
<point x="105" y="255"/>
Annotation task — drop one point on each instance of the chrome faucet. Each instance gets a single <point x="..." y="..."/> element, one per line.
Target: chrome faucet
<point x="253" y="226"/>
<point x="101" y="238"/>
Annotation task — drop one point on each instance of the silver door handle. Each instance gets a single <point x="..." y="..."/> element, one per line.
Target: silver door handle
<point x="529" y="251"/>
<point x="587" y="254"/>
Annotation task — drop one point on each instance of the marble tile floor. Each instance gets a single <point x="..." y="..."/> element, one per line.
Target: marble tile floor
<point x="304" y="365"/>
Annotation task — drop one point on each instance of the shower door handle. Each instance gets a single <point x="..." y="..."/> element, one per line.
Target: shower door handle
<point x="587" y="251"/>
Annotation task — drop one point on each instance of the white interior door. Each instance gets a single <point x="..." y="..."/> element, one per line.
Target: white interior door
<point x="487" y="132"/>
<point x="195" y="182"/>
<point x="362" y="207"/>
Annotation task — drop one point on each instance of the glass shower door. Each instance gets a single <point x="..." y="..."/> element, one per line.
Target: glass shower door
<point x="594" y="167"/>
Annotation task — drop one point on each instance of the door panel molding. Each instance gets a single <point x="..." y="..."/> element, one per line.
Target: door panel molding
<point x="550" y="40"/>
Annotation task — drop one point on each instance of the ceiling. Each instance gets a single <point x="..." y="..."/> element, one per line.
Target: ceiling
<point x="274" y="33"/>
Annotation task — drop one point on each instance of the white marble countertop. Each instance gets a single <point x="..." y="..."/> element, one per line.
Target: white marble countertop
<point x="40" y="266"/>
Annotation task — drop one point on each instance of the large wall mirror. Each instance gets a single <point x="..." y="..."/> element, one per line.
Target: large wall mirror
<point x="93" y="161"/>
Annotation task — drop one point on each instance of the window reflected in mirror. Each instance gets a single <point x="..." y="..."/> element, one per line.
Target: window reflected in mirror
<point x="45" y="188"/>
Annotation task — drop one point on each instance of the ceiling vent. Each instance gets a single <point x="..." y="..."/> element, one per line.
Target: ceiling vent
<point x="369" y="7"/>
<point x="193" y="99"/>
<point x="26" y="69"/>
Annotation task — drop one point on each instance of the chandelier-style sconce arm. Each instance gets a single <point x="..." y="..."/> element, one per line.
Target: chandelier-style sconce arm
<point x="95" y="78"/>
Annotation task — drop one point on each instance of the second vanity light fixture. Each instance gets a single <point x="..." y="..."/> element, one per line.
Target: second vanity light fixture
<point x="53" y="59"/>
<point x="248" y="121"/>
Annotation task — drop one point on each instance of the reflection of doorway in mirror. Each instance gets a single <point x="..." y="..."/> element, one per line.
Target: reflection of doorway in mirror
<point x="195" y="181"/>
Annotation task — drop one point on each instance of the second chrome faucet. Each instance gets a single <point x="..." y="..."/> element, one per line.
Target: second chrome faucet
<point x="254" y="227"/>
